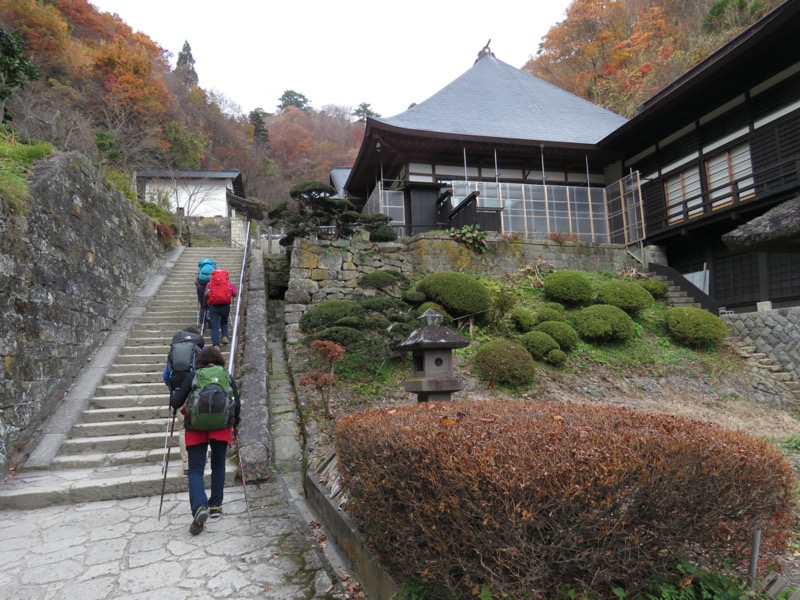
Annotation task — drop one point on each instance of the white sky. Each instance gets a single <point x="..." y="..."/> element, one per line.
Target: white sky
<point x="343" y="52"/>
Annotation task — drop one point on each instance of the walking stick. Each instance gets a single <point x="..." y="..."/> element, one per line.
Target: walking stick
<point x="166" y="464"/>
<point x="244" y="479"/>
<point x="166" y="445"/>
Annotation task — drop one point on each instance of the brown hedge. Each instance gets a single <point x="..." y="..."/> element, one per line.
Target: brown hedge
<point x="526" y="497"/>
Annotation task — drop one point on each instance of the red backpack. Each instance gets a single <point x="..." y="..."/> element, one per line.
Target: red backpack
<point x="219" y="288"/>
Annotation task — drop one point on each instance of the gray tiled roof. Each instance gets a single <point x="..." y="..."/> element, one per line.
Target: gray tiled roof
<point x="493" y="99"/>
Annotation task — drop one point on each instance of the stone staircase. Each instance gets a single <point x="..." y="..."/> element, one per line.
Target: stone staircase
<point x="675" y="296"/>
<point x="116" y="447"/>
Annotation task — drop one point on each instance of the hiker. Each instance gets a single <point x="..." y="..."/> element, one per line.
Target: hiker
<point x="210" y="371"/>
<point x="205" y="267"/>
<point x="181" y="361"/>
<point x="219" y="293"/>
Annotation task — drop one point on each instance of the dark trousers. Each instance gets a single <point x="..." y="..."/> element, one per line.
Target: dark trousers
<point x="218" y="313"/>
<point x="197" y="466"/>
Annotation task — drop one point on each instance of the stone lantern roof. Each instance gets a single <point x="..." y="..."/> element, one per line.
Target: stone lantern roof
<point x="432" y="335"/>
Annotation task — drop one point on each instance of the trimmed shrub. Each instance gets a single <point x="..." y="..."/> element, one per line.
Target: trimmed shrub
<point x="505" y="362"/>
<point x="354" y="322"/>
<point x="384" y="304"/>
<point x="569" y="287"/>
<point x="532" y="496"/>
<point x="556" y="306"/>
<point x="695" y="327"/>
<point x="556" y="358"/>
<point x="326" y="313"/>
<point x="459" y="294"/>
<point x="627" y="295"/>
<point x="602" y="323"/>
<point x="523" y="319"/>
<point x="561" y="332"/>
<point x="548" y="314"/>
<point x="448" y="320"/>
<point x="383" y="233"/>
<point x="413" y="297"/>
<point x="381" y="280"/>
<point x="346" y="336"/>
<point x="658" y="289"/>
<point x="538" y="344"/>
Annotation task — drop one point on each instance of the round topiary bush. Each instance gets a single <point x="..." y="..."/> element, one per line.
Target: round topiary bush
<point x="412" y="297"/>
<point x="381" y="279"/>
<point x="383" y="233"/>
<point x="505" y="362"/>
<point x="604" y="323"/>
<point x="458" y="293"/>
<point x="658" y="289"/>
<point x="346" y="336"/>
<point x="569" y="287"/>
<point x="448" y="320"/>
<point x="523" y="319"/>
<point x="548" y="314"/>
<point x="354" y="322"/>
<point x="627" y="295"/>
<point x="556" y="306"/>
<point x="326" y="313"/>
<point x="561" y="332"/>
<point x="538" y="343"/>
<point x="527" y="495"/>
<point x="695" y="327"/>
<point x="556" y="358"/>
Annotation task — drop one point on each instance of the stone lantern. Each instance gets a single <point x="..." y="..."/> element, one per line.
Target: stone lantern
<point x="432" y="351"/>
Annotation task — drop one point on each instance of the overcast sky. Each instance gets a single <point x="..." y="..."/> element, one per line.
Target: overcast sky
<point x="344" y="52"/>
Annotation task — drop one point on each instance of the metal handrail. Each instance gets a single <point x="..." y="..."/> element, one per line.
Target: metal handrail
<point x="236" y="314"/>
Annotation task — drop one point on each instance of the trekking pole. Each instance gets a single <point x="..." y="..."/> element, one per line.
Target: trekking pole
<point x="166" y="444"/>
<point x="244" y="479"/>
<point x="166" y="464"/>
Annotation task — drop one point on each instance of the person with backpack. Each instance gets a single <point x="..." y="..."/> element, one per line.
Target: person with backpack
<point x="219" y="293"/>
<point x="210" y="405"/>
<point x="181" y="361"/>
<point x="204" y="269"/>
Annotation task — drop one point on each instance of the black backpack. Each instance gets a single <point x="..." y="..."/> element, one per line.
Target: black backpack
<point x="182" y="356"/>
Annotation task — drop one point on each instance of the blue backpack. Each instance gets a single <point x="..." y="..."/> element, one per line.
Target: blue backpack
<point x="204" y="269"/>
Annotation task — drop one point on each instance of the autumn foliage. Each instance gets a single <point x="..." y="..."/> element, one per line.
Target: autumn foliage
<point x="619" y="53"/>
<point x="522" y="497"/>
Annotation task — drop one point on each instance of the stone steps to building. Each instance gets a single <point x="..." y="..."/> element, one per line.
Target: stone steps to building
<point x="115" y="447"/>
<point x="675" y="296"/>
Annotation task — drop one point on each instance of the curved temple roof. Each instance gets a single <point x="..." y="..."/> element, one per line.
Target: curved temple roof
<point x="495" y="100"/>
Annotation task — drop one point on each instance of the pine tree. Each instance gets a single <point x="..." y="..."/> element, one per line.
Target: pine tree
<point x="184" y="67"/>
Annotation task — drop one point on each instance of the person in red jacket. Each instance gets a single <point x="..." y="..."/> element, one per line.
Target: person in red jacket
<point x="197" y="444"/>
<point x="219" y="293"/>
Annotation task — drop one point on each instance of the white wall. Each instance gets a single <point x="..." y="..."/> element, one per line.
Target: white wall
<point x="198" y="197"/>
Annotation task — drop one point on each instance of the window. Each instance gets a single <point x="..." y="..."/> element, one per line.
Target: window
<point x="684" y="199"/>
<point x="729" y="176"/>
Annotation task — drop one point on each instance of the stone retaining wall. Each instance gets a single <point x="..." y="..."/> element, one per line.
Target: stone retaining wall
<point x="773" y="333"/>
<point x="68" y="268"/>
<point x="322" y="270"/>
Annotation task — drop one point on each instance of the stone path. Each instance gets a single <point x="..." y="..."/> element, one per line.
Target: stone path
<point x="118" y="549"/>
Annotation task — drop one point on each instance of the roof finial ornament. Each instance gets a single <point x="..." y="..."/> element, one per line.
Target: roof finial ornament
<point x="485" y="51"/>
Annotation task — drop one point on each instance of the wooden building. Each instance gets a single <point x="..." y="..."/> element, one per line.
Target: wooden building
<point x="713" y="151"/>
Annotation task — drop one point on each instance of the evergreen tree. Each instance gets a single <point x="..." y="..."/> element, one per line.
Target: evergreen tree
<point x="260" y="133"/>
<point x="363" y="111"/>
<point x="292" y="98"/>
<point x="184" y="68"/>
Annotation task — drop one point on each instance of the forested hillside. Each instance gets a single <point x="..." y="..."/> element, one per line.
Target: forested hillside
<point x="112" y="94"/>
<point x="618" y="53"/>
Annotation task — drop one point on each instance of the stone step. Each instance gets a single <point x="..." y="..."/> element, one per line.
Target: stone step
<point x="153" y="376"/>
<point x="119" y="428"/>
<point x="119" y="402"/>
<point x="113" y="443"/>
<point x="94" y="460"/>
<point x="40" y="488"/>
<point x="125" y="414"/>
<point x="140" y="367"/>
<point x="130" y="389"/>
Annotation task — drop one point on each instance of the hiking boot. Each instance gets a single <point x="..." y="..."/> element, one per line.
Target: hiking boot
<point x="200" y="518"/>
<point x="215" y="346"/>
<point x="225" y="340"/>
<point x="214" y="512"/>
